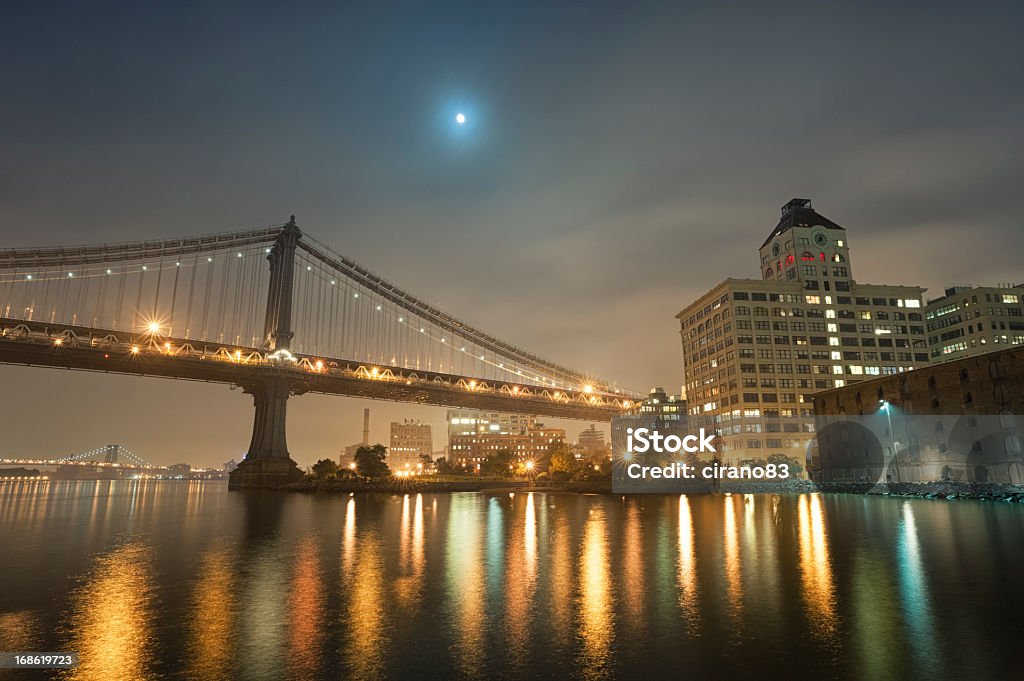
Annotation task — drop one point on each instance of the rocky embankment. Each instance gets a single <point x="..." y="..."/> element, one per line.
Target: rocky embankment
<point x="978" y="491"/>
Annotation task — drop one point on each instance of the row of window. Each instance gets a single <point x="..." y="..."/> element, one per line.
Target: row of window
<point x="860" y="300"/>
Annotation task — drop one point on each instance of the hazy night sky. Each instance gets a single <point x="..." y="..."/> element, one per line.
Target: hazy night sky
<point x="619" y="160"/>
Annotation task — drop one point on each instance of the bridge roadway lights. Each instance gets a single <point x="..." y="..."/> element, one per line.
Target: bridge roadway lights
<point x="267" y="464"/>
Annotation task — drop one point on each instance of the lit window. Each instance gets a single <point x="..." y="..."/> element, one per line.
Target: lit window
<point x="910" y="302"/>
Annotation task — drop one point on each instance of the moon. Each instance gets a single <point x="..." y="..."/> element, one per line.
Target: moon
<point x="460" y="118"/>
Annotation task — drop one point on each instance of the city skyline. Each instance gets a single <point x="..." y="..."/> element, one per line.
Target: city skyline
<point x="583" y="204"/>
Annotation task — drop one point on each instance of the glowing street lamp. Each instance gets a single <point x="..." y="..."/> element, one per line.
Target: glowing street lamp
<point x="887" y="408"/>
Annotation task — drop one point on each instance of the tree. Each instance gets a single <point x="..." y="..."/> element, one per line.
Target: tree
<point x="796" y="468"/>
<point x="562" y="459"/>
<point x="498" y="464"/>
<point x="427" y="462"/>
<point x="325" y="469"/>
<point x="370" y="461"/>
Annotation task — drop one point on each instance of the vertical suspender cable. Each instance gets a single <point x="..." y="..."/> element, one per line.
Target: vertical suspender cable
<point x="191" y="293"/>
<point x="174" y="296"/>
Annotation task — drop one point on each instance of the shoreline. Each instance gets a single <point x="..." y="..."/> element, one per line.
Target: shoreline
<point x="931" y="490"/>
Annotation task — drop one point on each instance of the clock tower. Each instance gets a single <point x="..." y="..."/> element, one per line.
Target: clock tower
<point x="809" y="248"/>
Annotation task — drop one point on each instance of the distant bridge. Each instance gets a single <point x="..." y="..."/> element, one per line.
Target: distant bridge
<point x="107" y="456"/>
<point x="207" y="308"/>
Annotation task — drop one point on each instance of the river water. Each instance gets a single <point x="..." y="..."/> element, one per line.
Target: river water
<point x="178" y="579"/>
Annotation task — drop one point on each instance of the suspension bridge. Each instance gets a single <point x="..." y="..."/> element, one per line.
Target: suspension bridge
<point x="114" y="456"/>
<point x="209" y="308"/>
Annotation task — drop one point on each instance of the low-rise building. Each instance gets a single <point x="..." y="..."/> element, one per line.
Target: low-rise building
<point x="533" y="444"/>
<point x="954" y="421"/>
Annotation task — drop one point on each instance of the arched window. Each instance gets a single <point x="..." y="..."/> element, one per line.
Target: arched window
<point x="837" y="257"/>
<point x="789" y="260"/>
<point x="807" y="255"/>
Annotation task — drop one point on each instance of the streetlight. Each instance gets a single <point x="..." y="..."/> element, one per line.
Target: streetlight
<point x="887" y="408"/>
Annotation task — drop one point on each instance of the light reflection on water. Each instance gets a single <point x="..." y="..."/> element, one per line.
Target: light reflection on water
<point x="185" y="581"/>
<point x="733" y="572"/>
<point x="110" y="619"/>
<point x="213" y="616"/>
<point x="596" y="628"/>
<point x="465" y="577"/>
<point x="815" y="568"/>
<point x="687" y="579"/>
<point x="366" y="648"/>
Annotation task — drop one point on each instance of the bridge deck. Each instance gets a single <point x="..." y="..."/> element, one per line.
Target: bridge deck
<point x="33" y="343"/>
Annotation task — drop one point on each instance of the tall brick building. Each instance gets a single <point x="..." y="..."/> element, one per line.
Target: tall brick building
<point x="756" y="351"/>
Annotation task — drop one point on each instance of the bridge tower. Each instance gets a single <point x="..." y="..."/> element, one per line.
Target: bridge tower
<point x="110" y="453"/>
<point x="267" y="463"/>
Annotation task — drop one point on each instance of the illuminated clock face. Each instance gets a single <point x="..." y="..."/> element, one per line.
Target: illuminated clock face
<point x="776" y="249"/>
<point x="821" y="239"/>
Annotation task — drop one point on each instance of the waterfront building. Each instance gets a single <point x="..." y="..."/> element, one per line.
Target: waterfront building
<point x="409" y="440"/>
<point x="755" y="351"/>
<point x="179" y="470"/>
<point x="968" y="321"/>
<point x="955" y="421"/>
<point x="469" y="449"/>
